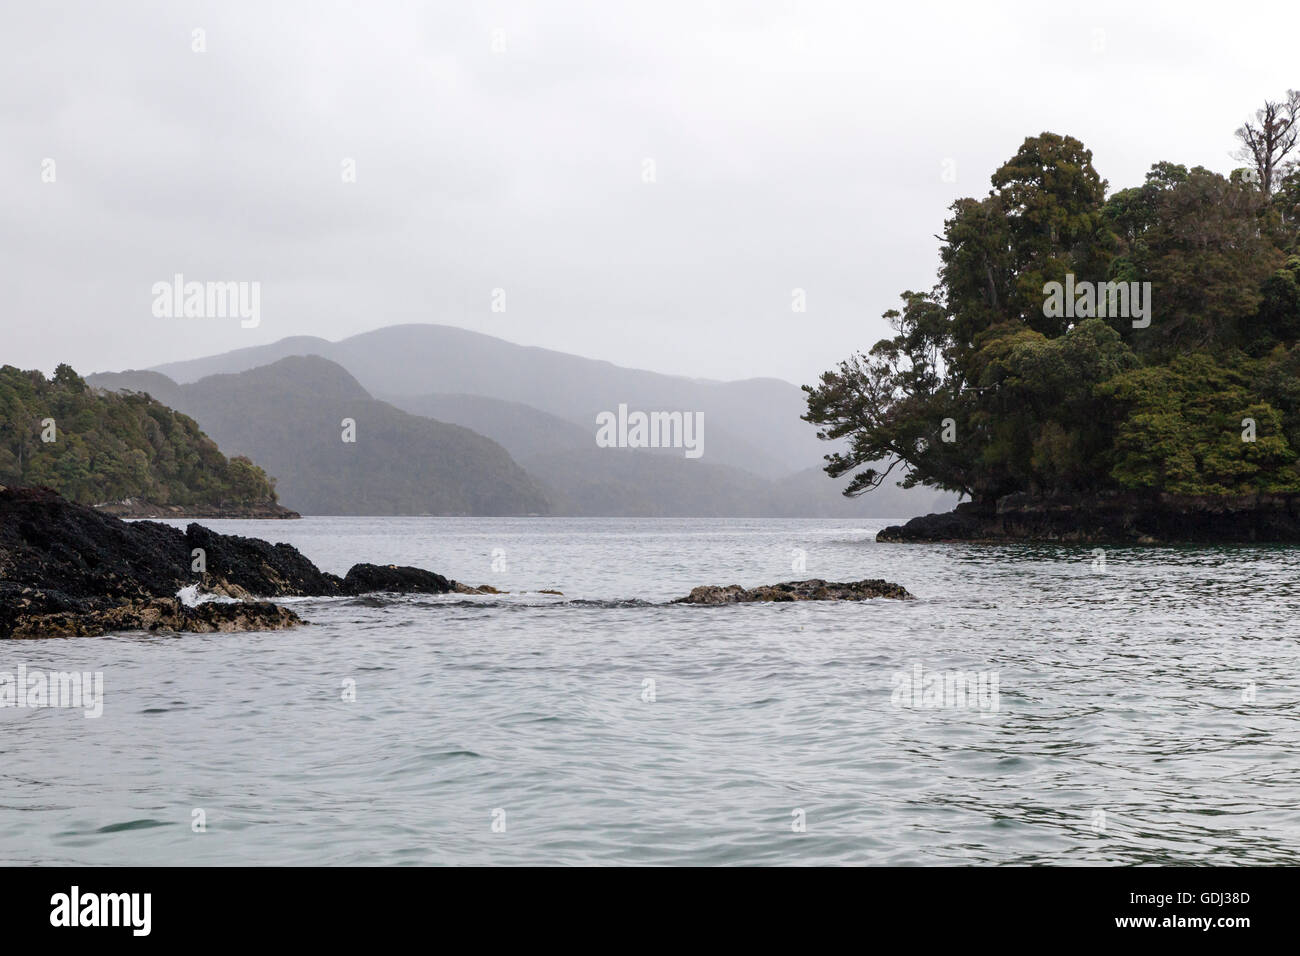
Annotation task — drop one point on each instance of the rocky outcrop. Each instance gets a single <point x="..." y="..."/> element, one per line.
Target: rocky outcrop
<point x="811" y="590"/>
<point x="372" y="577"/>
<point x="165" y="614"/>
<point x="69" y="569"/>
<point x="240" y="566"/>
<point x="1118" y="519"/>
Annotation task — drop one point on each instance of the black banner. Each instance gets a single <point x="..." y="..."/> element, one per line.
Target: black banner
<point x="1167" y="907"/>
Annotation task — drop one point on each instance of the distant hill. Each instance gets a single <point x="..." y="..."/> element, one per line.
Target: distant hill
<point x="102" y="448"/>
<point x="537" y="403"/>
<point x="521" y="429"/>
<point x="646" y="483"/>
<point x="585" y="480"/>
<point x="752" y="424"/>
<point x="811" y="493"/>
<point x="287" y="415"/>
<point x="154" y="384"/>
<point x="541" y="406"/>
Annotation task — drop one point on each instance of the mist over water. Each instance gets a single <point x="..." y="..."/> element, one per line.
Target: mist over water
<point x="1124" y="690"/>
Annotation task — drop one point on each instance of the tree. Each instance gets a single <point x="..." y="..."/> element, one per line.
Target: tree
<point x="1278" y="319"/>
<point x="112" y="446"/>
<point x="1287" y="203"/>
<point x="1197" y="238"/>
<point x="1270" y="139"/>
<point x="1052" y="198"/>
<point x="1183" y="429"/>
<point x="1042" y="425"/>
<point x="979" y="391"/>
<point x="892" y="402"/>
<point x="67" y="379"/>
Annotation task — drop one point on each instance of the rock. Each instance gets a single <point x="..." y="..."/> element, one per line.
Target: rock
<point x="258" y="568"/>
<point x="811" y="590"/>
<point x="470" y="589"/>
<point x="167" y="614"/>
<point x="1112" y="518"/>
<point x="955" y="525"/>
<point x="65" y="553"/>
<point x="88" y="572"/>
<point x="365" y="578"/>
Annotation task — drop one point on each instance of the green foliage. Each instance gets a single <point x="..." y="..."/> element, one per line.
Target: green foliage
<point x="1286" y="204"/>
<point x="1185" y="424"/>
<point x="1197" y="238"/>
<point x="1054" y="404"/>
<point x="1052" y="201"/>
<point x="1044" y="427"/>
<point x="108" y="446"/>
<point x="1277" y="320"/>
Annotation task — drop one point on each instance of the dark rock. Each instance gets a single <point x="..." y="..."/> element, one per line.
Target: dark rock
<point x="70" y="553"/>
<point x="956" y="525"/>
<point x="364" y="578"/>
<point x="811" y="590"/>
<point x="88" y="572"/>
<point x="253" y="566"/>
<point x="1116" y="518"/>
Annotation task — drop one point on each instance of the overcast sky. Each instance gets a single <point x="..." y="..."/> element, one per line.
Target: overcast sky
<point x="795" y="145"/>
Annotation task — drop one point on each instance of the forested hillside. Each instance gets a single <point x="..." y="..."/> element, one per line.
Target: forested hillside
<point x="96" y="447"/>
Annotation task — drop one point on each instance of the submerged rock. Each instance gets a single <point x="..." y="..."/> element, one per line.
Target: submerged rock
<point x="481" y="589"/>
<point x="89" y="572"/>
<point x="158" y="614"/>
<point x="811" y="590"/>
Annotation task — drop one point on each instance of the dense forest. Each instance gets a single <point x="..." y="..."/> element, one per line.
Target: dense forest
<point x="96" y="447"/>
<point x="1021" y="372"/>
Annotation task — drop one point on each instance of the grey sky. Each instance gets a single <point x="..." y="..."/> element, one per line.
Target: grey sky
<point x="796" y="145"/>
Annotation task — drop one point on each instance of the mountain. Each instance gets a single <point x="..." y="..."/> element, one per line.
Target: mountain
<point x="751" y="424"/>
<point x="521" y="429"/>
<point x="541" y="406"/>
<point x="585" y="480"/>
<point x="101" y="448"/>
<point x="288" y="416"/>
<point x="646" y="483"/>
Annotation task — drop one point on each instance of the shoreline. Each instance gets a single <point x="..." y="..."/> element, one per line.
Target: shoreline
<point x="1120" y="518"/>
<point x="135" y="509"/>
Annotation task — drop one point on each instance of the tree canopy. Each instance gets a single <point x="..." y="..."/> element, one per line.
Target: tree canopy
<point x="96" y="447"/>
<point x="986" y="390"/>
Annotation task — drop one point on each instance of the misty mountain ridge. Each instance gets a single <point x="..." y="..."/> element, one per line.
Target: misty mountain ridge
<point x="288" y="416"/>
<point x="588" y="480"/>
<point x="752" y="424"/>
<point x="476" y="381"/>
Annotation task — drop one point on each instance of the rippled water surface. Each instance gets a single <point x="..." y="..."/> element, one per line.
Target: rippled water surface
<point x="1146" y="712"/>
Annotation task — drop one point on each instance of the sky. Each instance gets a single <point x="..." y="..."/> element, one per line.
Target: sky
<point x="646" y="183"/>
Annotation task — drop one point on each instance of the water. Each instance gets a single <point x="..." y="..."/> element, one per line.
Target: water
<point x="1124" y="731"/>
